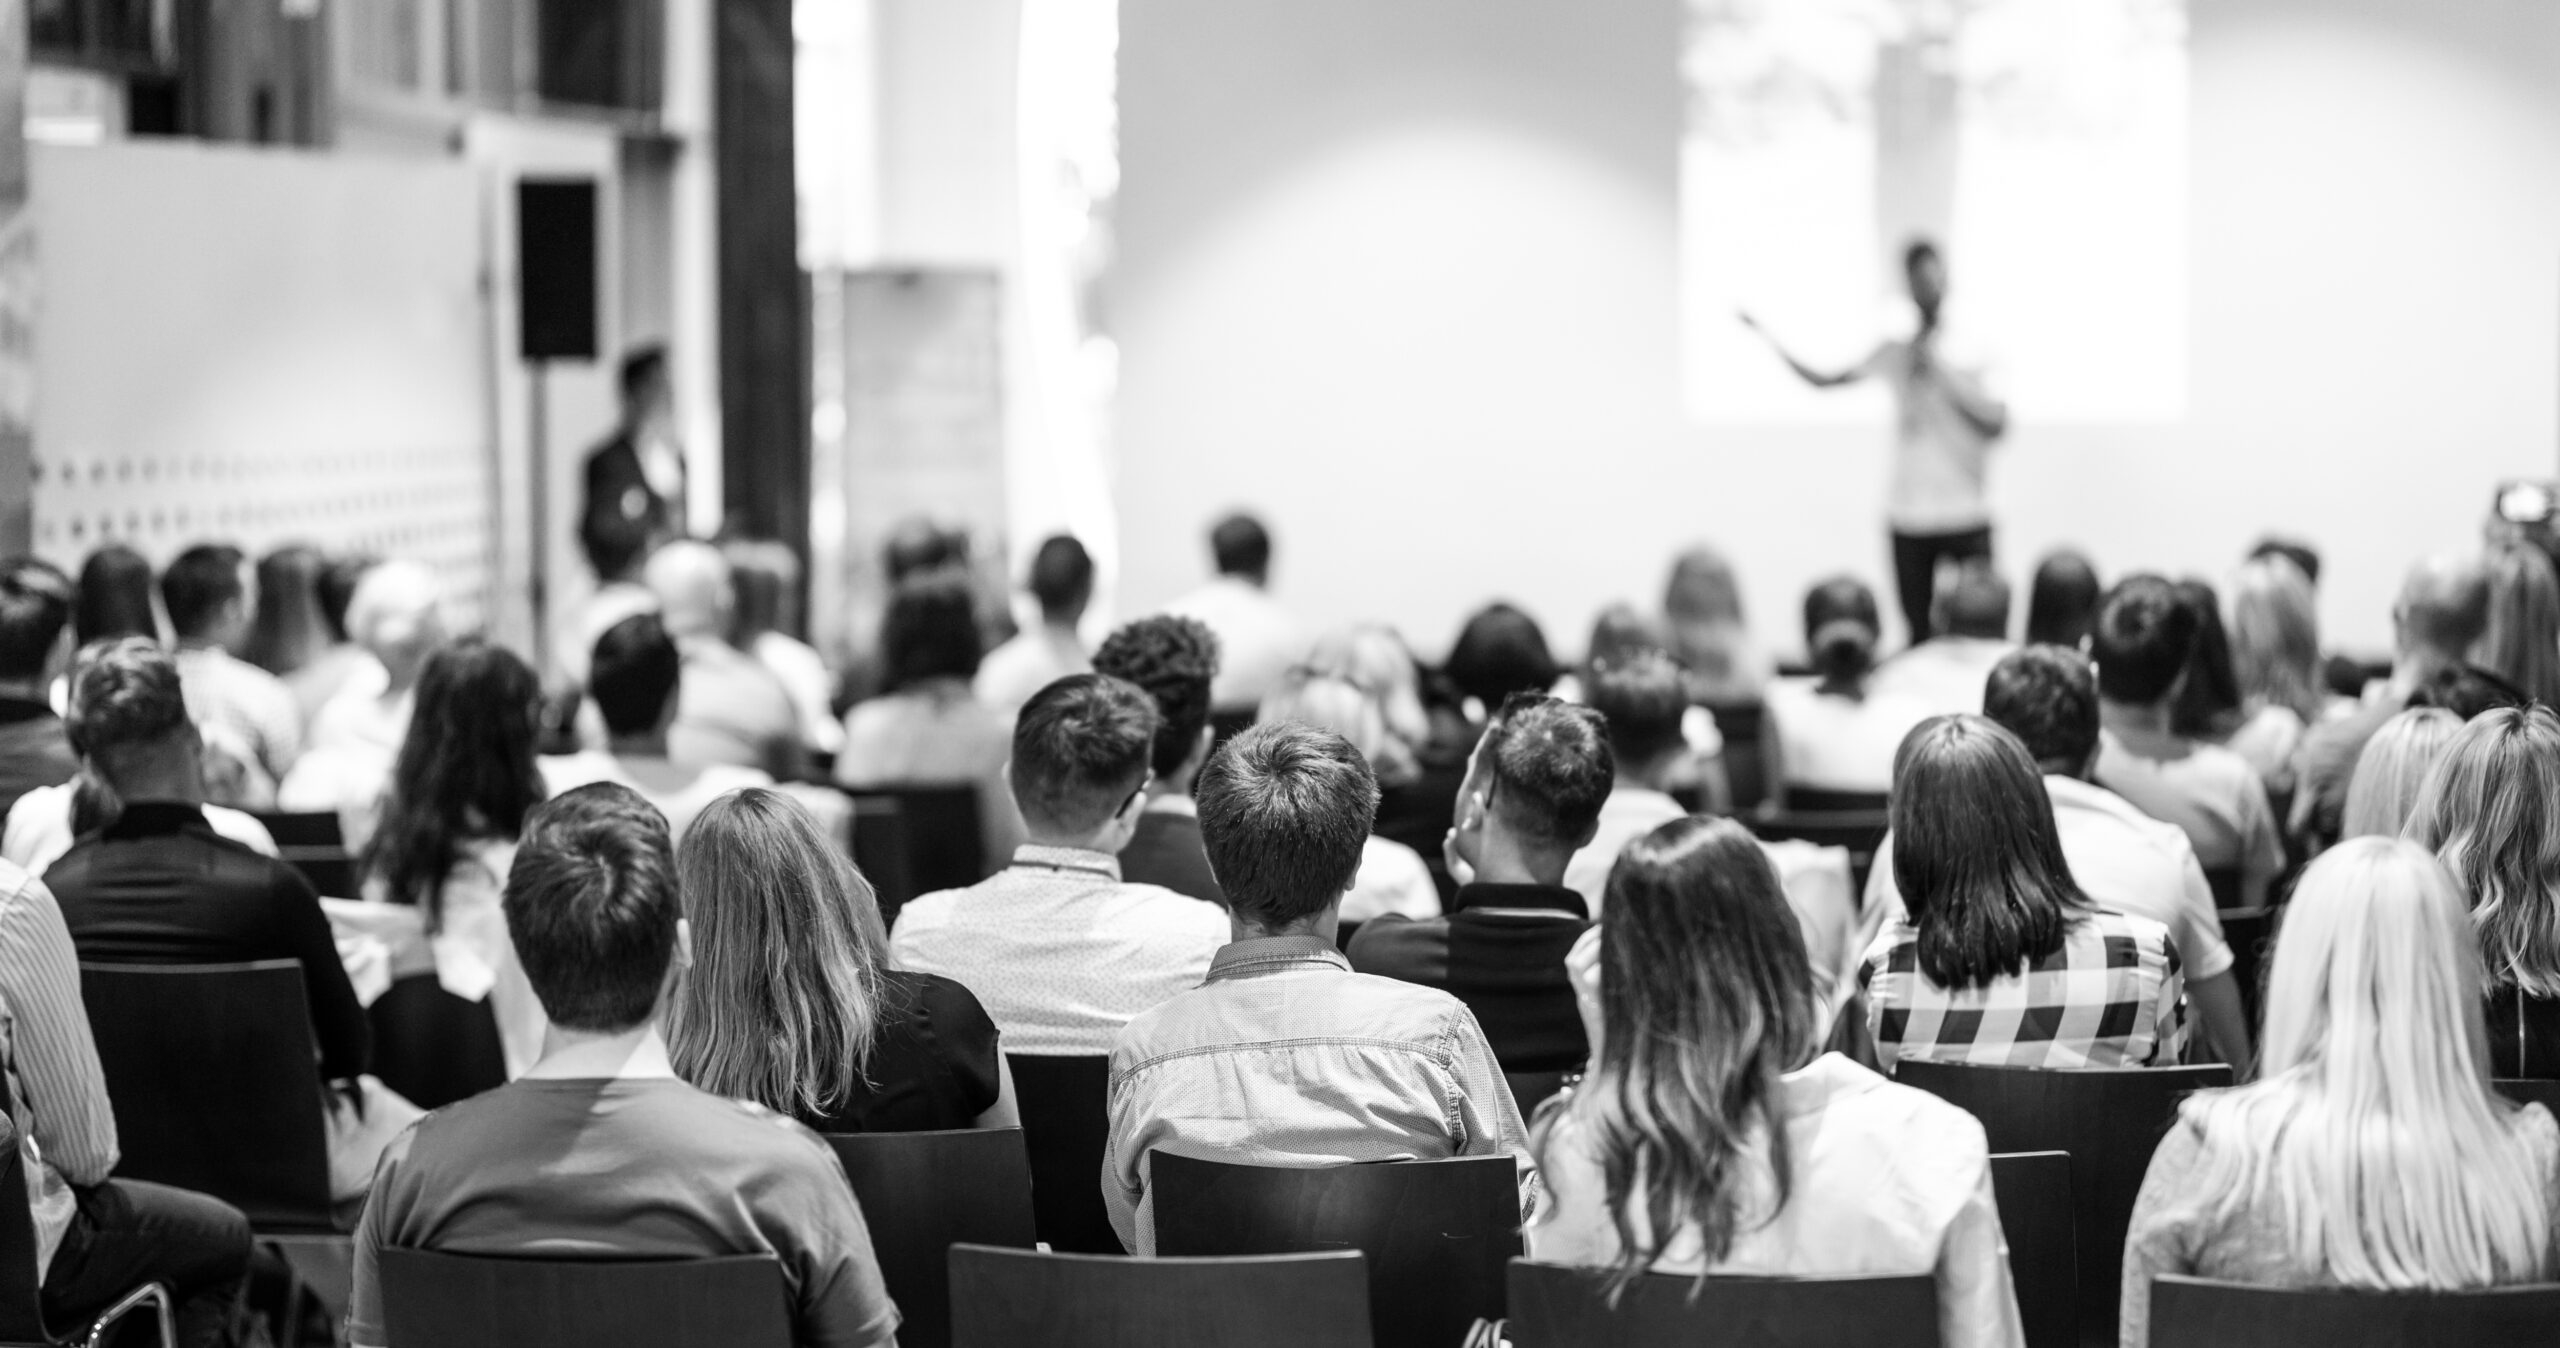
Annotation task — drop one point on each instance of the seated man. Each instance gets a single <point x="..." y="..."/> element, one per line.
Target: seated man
<point x="1285" y="1056"/>
<point x="1059" y="948"/>
<point x="1531" y="799"/>
<point x="1943" y="675"/>
<point x="35" y="644"/>
<point x="1062" y="583"/>
<point x="256" y="722"/>
<point x="600" y="1151"/>
<point x="731" y="711"/>
<point x="2144" y="639"/>
<point x="1176" y="661"/>
<point x="633" y="677"/>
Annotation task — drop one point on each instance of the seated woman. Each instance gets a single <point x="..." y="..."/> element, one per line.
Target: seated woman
<point x="2392" y="769"/>
<point x="1393" y="877"/>
<point x="2001" y="960"/>
<point x="1710" y="1139"/>
<point x="2370" y="1152"/>
<point x="2490" y="810"/>
<point x="790" y="1001"/>
<point x="2275" y="656"/>
<point x="1835" y="742"/>
<point x="929" y="728"/>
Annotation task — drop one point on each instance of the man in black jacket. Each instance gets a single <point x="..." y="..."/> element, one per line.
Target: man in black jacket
<point x="637" y="475"/>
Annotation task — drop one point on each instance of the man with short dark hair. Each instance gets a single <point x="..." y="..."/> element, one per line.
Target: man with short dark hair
<point x="1531" y="799"/>
<point x="1257" y="640"/>
<point x="1943" y="675"/>
<point x="600" y="1151"/>
<point x="1060" y="949"/>
<point x="2440" y="615"/>
<point x="1175" y="660"/>
<point x="633" y="678"/>
<point x="1061" y="583"/>
<point x="2145" y="637"/>
<point x="35" y="646"/>
<point x="1284" y="1056"/>
<point x="249" y="716"/>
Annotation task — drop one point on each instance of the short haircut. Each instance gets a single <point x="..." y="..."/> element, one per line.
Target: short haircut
<point x="1841" y="628"/>
<point x="2304" y="557"/>
<point x="1644" y="698"/>
<point x="35" y="605"/>
<point x="634" y="674"/>
<point x="2145" y="636"/>
<point x="1241" y="546"/>
<point x="645" y="366"/>
<point x="1499" y="652"/>
<point x="1285" y="813"/>
<point x="2062" y="600"/>
<point x="1550" y="766"/>
<point x="592" y="908"/>
<point x="931" y="630"/>
<point x="1061" y="576"/>
<point x="1974" y="603"/>
<point x="199" y="583"/>
<point x="1175" y="660"/>
<point x="1080" y="749"/>
<point x="125" y="694"/>
<point x="2046" y="696"/>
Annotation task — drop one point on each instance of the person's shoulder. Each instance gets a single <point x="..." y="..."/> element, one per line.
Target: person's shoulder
<point x="241" y="829"/>
<point x="1173" y="909"/>
<point x="2149" y="934"/>
<point x="1910" y="1113"/>
<point x="1399" y="860"/>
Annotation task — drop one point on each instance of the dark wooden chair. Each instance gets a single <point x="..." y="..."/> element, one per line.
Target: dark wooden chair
<point x="2251" y="934"/>
<point x="2108" y="1120"/>
<point x="2198" y="1313"/>
<point x="1557" y="1306"/>
<point x="1066" y="1125"/>
<point x="1859" y="832"/>
<point x="1744" y="727"/>
<point x="1027" y="1299"/>
<point x="22" y="1322"/>
<point x="2524" y="1092"/>
<point x="923" y="1193"/>
<point x="2033" y="1189"/>
<point x="941" y="842"/>
<point x="432" y="1300"/>
<point x="432" y="1047"/>
<point x="879" y="848"/>
<point x="1816" y="801"/>
<point x="313" y="844"/>
<point x="1438" y="1233"/>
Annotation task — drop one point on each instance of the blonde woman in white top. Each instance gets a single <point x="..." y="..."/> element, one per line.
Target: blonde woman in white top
<point x="1393" y="877"/>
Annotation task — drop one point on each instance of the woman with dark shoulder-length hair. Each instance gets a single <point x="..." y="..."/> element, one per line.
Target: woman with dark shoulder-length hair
<point x="1714" y="1137"/>
<point x="791" y="1002"/>
<point x="1993" y="962"/>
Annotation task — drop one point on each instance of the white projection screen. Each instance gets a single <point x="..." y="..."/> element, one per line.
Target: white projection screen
<point x="2041" y="143"/>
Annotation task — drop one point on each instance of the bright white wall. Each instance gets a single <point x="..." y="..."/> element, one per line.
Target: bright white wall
<point x="1402" y="274"/>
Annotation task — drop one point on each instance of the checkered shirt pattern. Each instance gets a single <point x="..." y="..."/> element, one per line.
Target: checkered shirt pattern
<point x="2107" y="998"/>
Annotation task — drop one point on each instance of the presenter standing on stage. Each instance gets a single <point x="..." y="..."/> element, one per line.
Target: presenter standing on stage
<point x="1944" y="424"/>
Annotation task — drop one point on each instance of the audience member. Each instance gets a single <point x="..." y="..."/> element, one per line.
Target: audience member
<point x="1060" y="949"/>
<point x="1284" y="1056"/>
<point x="35" y="648"/>
<point x="2304" y="557"/>
<point x="397" y="618"/>
<point x="2275" y="657"/>
<point x="1418" y="775"/>
<point x="1713" y="1136"/>
<point x="1062" y="584"/>
<point x="1702" y="617"/>
<point x="2062" y="600"/>
<point x="1531" y="799"/>
<point x="765" y="578"/>
<point x="791" y="1002"/>
<point x="2123" y="860"/>
<point x="616" y="547"/>
<point x="1500" y="651"/>
<point x="2442" y="610"/>
<point x="2371" y="1153"/>
<point x="2490" y="810"/>
<point x="2393" y="769"/>
<point x="115" y="597"/>
<point x="633" y="680"/>
<point x="930" y="729"/>
<point x="1175" y="660"/>
<point x="1257" y="639"/>
<point x="248" y="714"/>
<point x="1618" y="634"/>
<point x="731" y="711"/>
<point x="635" y="478"/>
<point x="288" y="631"/>
<point x="340" y="660"/>
<point x="46" y="820"/>
<point x="1392" y="878"/>
<point x="2145" y="647"/>
<point x="2208" y="705"/>
<point x="2003" y="960"/>
<point x="1835" y="738"/>
<point x="592" y="902"/>
<point x="918" y="547"/>
<point x="2522" y="641"/>
<point x="1943" y="675"/>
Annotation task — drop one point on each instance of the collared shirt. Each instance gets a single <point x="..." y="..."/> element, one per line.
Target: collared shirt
<point x="65" y="1128"/>
<point x="246" y="702"/>
<point x="1061" y="951"/>
<point x="1285" y="1057"/>
<point x="1257" y="640"/>
<point x="2108" y="997"/>
<point x="2206" y="790"/>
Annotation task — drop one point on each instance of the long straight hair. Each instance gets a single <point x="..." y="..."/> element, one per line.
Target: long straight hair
<point x="2522" y="643"/>
<point x="1976" y="853"/>
<point x="2490" y="810"/>
<point x="1707" y="999"/>
<point x="783" y="1000"/>
<point x="2275" y="638"/>
<point x="2393" y="769"/>
<point x="2373" y="1130"/>
<point x="466" y="770"/>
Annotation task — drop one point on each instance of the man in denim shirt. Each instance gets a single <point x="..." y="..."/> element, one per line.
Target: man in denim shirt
<point x="1285" y="1056"/>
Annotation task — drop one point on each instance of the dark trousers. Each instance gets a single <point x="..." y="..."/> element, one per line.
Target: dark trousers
<point x="128" y="1232"/>
<point x="1915" y="570"/>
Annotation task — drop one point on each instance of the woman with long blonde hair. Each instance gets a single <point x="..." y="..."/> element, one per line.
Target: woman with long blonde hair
<point x="1393" y="878"/>
<point x="2392" y="769"/>
<point x="2371" y="1151"/>
<point x="2275" y="657"/>
<point x="2522" y="644"/>
<point x="2490" y="810"/>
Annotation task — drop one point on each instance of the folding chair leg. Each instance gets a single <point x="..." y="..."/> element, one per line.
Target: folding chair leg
<point x="150" y="1293"/>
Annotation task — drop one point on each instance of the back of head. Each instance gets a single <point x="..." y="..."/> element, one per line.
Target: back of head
<point x="917" y="547"/>
<point x="1285" y="813"/>
<point x="2490" y="809"/>
<point x="643" y="374"/>
<point x="288" y="629"/>
<point x="782" y="1001"/>
<point x="2392" y="769"/>
<point x="1062" y="579"/>
<point x="1702" y="615"/>
<point x="126" y="704"/>
<point x="1620" y="634"/>
<point x="336" y="589"/>
<point x="2062" y="600"/>
<point x="1549" y="769"/>
<point x="2209" y="700"/>
<point x="2275" y="637"/>
<point x="1499" y="652"/>
<point x="1972" y="600"/>
<point x="591" y="907"/>
<point x="633" y="675"/>
<point x="1645" y="699"/>
<point x="466" y="769"/>
<point x="691" y="580"/>
<point x="397" y="613"/>
<point x="2145" y="637"/>
<point x="1976" y="853"/>
<point x="931" y="630"/>
<point x="764" y="584"/>
<point x="114" y="597"/>
<point x="1375" y="657"/>
<point x="1841" y="630"/>
<point x="2304" y="557"/>
<point x="2048" y="698"/>
<point x="200" y="584"/>
<point x="1240" y="546"/>
<point x="35" y="608"/>
<point x="2522" y="643"/>
<point x="1175" y="660"/>
<point x="1328" y="702"/>
<point x="2443" y="608"/>
<point x="1080" y="751"/>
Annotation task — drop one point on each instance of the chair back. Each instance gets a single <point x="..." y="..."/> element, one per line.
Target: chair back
<point x="433" y="1300"/>
<point x="946" y="844"/>
<point x="1559" y="1306"/>
<point x="215" y="1083"/>
<point x="2224" y="881"/>
<point x="1028" y="1299"/>
<point x="1510" y="973"/>
<point x="1859" y="832"/>
<point x="2531" y="1092"/>
<point x="879" y="847"/>
<point x="2108" y="1120"/>
<point x="1066" y="1126"/>
<point x="1438" y="1234"/>
<point x="21" y="1294"/>
<point x="432" y="1047"/>
<point x="2251" y="933"/>
<point x="312" y="843"/>
<point x="1743" y="726"/>
<point x="922" y="1193"/>
<point x="1814" y="800"/>
<point x="2199" y="1313"/>
<point x="1531" y="1089"/>
<point x="2033" y="1189"/>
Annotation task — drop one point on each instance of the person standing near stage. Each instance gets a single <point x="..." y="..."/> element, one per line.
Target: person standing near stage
<point x="1944" y="424"/>
<point x="636" y="477"/>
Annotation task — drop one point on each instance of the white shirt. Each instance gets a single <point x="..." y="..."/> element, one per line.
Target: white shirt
<point x="1060" y="950"/>
<point x="1393" y="879"/>
<point x="39" y="828"/>
<point x="1257" y="640"/>
<point x="1941" y="676"/>
<point x="679" y="793"/>
<point x="1827" y="742"/>
<point x="804" y="676"/>
<point x="1034" y="659"/>
<point x="2206" y="790"/>
<point x="1939" y="457"/>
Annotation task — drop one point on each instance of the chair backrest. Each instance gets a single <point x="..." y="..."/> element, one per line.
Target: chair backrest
<point x="1859" y="832"/>
<point x="2251" y="934"/>
<point x="1813" y="800"/>
<point x="2109" y="1120"/>
<point x="2524" y="1092"/>
<point x="312" y="843"/>
<point x="304" y="828"/>
<point x="2224" y="881"/>
<point x="1066" y="1124"/>
<point x="433" y="1047"/>
<point x="879" y="847"/>
<point x="922" y="1193"/>
<point x="1743" y="726"/>
<point x="1438" y="1233"/>
<point x="2033" y="1189"/>
<point x="2198" y="1313"/>
<point x="215" y="1083"/>
<point x="1558" y="1306"/>
<point x="21" y="1295"/>
<point x="945" y="842"/>
<point x="433" y="1300"/>
<point x="1028" y="1299"/>
<point x="1531" y="1089"/>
